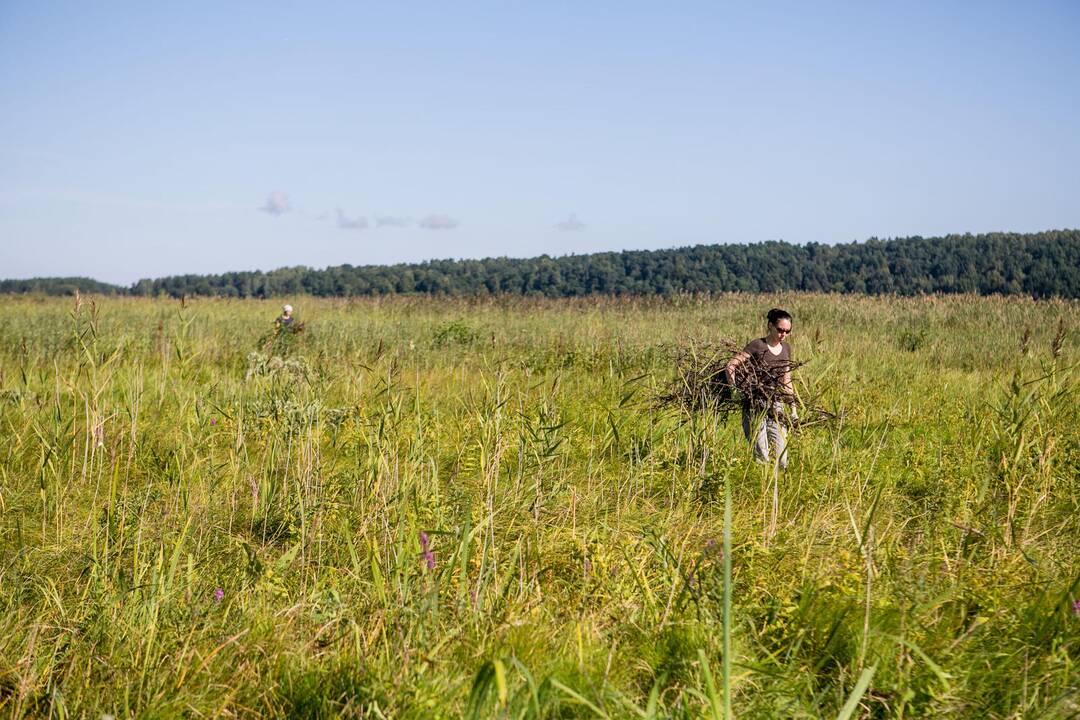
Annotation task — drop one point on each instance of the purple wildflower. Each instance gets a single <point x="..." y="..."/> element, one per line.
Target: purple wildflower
<point x="213" y="421"/>
<point x="1076" y="606"/>
<point x="219" y="595"/>
<point x="713" y="549"/>
<point x="425" y="551"/>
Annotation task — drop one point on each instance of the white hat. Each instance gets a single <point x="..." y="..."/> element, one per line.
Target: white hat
<point x="286" y="309"/>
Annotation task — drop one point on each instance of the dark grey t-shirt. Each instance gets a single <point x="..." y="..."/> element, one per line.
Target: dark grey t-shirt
<point x="776" y="364"/>
<point x="760" y="349"/>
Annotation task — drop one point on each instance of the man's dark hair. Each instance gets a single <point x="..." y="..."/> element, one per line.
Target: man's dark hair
<point x="776" y="314"/>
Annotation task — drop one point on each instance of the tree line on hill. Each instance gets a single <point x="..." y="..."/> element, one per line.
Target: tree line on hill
<point x="60" y="286"/>
<point x="1045" y="264"/>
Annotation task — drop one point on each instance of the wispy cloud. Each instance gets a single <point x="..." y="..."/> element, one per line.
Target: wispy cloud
<point x="391" y="221"/>
<point x="344" y="222"/>
<point x="439" y="222"/>
<point x="277" y="203"/>
<point x="570" y="224"/>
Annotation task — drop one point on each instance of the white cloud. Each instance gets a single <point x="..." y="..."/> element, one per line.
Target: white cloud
<point x="346" y="223"/>
<point x="570" y="224"/>
<point x="439" y="222"/>
<point x="277" y="203"/>
<point x="391" y="221"/>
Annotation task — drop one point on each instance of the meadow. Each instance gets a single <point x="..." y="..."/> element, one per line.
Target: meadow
<point x="442" y="508"/>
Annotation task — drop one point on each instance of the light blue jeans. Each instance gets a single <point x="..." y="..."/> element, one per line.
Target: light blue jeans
<point x="769" y="431"/>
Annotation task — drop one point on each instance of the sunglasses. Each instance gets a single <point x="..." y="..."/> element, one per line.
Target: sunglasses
<point x="782" y="330"/>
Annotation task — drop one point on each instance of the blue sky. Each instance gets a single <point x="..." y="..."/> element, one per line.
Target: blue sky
<point x="146" y="139"/>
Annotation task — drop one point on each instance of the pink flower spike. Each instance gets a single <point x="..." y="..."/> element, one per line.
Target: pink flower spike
<point x="425" y="551"/>
<point x="219" y="595"/>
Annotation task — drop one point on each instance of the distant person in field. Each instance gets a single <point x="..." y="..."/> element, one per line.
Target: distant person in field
<point x="769" y="413"/>
<point x="286" y="317"/>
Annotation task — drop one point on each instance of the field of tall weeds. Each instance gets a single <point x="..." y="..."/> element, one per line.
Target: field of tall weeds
<point x="432" y="508"/>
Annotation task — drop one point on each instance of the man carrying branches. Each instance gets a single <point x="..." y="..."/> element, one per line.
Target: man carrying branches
<point x="767" y="406"/>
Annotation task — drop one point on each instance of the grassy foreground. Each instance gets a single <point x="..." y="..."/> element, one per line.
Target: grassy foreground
<point x="442" y="508"/>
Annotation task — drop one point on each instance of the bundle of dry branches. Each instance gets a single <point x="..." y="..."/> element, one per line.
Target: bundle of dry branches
<point x="701" y="384"/>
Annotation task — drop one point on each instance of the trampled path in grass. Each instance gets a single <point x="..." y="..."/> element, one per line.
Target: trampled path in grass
<point x="423" y="507"/>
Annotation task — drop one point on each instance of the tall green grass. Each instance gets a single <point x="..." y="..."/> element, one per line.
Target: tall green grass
<point x="194" y="524"/>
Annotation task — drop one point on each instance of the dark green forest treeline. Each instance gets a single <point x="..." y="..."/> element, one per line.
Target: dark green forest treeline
<point x="60" y="286"/>
<point x="1039" y="265"/>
